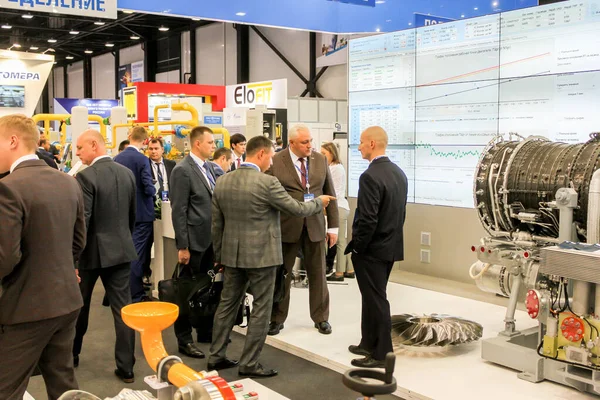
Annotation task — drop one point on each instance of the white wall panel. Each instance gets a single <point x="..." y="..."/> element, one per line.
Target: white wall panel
<point x="131" y="54"/>
<point x="186" y="53"/>
<point x="210" y="54"/>
<point x="333" y="84"/>
<point x="75" y="76"/>
<point x="266" y="65"/>
<point x="58" y="83"/>
<point x="168" y="77"/>
<point x="103" y="77"/>
<point x="230" y="54"/>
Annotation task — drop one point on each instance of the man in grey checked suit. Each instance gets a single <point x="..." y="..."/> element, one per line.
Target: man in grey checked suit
<point x="246" y="233"/>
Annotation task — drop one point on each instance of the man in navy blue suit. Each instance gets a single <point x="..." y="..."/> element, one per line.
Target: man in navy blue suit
<point x="143" y="234"/>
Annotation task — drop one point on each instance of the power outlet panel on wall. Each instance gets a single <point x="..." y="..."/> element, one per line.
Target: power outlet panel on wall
<point x="425" y="256"/>
<point x="425" y="238"/>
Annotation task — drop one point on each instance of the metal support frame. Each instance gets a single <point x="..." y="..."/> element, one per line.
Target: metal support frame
<point x="45" y="99"/>
<point x="150" y="59"/>
<point x="87" y="78"/>
<point x="243" y="53"/>
<point x="311" y="84"/>
<point x="117" y="55"/>
<point x="65" y="81"/>
<point x="192" y="56"/>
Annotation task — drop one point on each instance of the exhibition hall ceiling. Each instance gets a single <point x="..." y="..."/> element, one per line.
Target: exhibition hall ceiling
<point x="335" y="16"/>
<point x="71" y="38"/>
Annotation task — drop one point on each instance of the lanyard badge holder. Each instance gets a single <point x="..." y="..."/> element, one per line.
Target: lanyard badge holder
<point x="308" y="196"/>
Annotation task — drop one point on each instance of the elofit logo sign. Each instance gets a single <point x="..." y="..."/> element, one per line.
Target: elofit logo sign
<point x="272" y="94"/>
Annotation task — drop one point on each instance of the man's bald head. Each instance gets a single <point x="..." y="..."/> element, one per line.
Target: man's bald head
<point x="90" y="145"/>
<point x="373" y="142"/>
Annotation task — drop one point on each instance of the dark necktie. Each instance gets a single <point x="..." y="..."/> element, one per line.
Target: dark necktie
<point x="211" y="179"/>
<point x="238" y="163"/>
<point x="303" y="172"/>
<point x="160" y="178"/>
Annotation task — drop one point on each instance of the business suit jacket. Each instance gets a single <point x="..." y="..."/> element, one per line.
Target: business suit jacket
<point x="191" y="197"/>
<point x="169" y="165"/>
<point x="41" y="238"/>
<point x="109" y="198"/>
<point x="47" y="158"/>
<point x="319" y="179"/>
<point x="218" y="170"/>
<point x="378" y="224"/>
<point x="246" y="227"/>
<point x="138" y="164"/>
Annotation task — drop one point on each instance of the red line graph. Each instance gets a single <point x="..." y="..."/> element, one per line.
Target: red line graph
<point x="483" y="70"/>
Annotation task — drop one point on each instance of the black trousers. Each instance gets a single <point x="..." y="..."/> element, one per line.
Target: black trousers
<point x="116" y="282"/>
<point x="200" y="263"/>
<point x="47" y="344"/>
<point x="372" y="276"/>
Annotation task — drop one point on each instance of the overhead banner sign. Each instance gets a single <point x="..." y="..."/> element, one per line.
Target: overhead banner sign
<point x="427" y="20"/>
<point x="87" y="8"/>
<point x="272" y="94"/>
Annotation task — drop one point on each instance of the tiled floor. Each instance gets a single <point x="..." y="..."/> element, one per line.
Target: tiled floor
<point x="457" y="374"/>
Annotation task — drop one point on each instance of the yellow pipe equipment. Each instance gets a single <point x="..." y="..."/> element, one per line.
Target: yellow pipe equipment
<point x="63" y="117"/>
<point x="150" y="319"/>
<point x="177" y="107"/>
<point x="98" y="119"/>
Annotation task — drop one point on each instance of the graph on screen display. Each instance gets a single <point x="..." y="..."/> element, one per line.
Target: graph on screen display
<point x="442" y="92"/>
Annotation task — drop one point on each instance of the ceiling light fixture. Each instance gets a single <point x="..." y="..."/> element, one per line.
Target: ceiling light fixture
<point x="195" y="19"/>
<point x="377" y="30"/>
<point x="380" y="2"/>
<point x="462" y="15"/>
<point x="495" y="4"/>
<point x="6" y="26"/>
<point x="34" y="48"/>
<point x="69" y="57"/>
<point x="74" y="32"/>
<point x="127" y="11"/>
<point x="109" y="45"/>
<point x="163" y="28"/>
<point x="51" y="40"/>
<point x="99" y="23"/>
<point x="134" y="37"/>
<point x="475" y="8"/>
<point x="240" y="14"/>
<point x="410" y="23"/>
<point x="27" y="16"/>
<point x="88" y="51"/>
<point x="16" y="45"/>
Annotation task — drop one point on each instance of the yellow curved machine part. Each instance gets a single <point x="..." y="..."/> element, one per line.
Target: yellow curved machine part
<point x="150" y="319"/>
<point x="63" y="133"/>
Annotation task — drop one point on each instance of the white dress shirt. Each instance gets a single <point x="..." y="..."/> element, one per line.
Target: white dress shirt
<point x="22" y="159"/>
<point x="163" y="171"/>
<point x="98" y="158"/>
<point x="235" y="158"/>
<point x="338" y="175"/>
<point x="298" y="165"/>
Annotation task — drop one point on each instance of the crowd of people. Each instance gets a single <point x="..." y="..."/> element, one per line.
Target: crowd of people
<point x="245" y="211"/>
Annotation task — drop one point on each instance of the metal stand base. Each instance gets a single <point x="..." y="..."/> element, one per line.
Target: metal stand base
<point x="519" y="352"/>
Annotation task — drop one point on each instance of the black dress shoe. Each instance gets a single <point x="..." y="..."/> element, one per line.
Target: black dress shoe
<point x="359" y="351"/>
<point x="257" y="372"/>
<point x="368" y="362"/>
<point x="223" y="364"/>
<point x="126" y="377"/>
<point x="191" y="350"/>
<point x="274" y="328"/>
<point x="350" y="275"/>
<point x="323" y="327"/>
<point x="335" y="278"/>
<point x="75" y="361"/>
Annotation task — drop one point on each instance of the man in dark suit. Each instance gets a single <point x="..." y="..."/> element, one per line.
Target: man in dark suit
<point x="245" y="202"/>
<point x="41" y="239"/>
<point x="238" y="150"/>
<point x="160" y="166"/>
<point x="304" y="174"/>
<point x="143" y="234"/>
<point x="377" y="242"/>
<point x="192" y="184"/>
<point x="109" y="198"/>
<point x="221" y="161"/>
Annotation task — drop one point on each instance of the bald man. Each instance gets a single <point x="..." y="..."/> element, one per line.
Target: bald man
<point x="377" y="242"/>
<point x="109" y="202"/>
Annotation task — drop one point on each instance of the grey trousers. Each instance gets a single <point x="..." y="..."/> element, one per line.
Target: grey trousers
<point x="48" y="345"/>
<point x="235" y="282"/>
<point x="116" y="282"/>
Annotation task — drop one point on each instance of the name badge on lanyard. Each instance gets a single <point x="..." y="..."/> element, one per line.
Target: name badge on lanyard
<point x="308" y="197"/>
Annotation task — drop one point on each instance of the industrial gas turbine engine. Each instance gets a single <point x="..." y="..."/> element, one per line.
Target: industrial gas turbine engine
<point x="539" y="201"/>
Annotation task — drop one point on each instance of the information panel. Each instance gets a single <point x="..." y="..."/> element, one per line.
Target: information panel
<point x="442" y="92"/>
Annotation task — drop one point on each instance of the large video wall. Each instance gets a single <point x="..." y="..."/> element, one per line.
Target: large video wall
<point x="442" y="92"/>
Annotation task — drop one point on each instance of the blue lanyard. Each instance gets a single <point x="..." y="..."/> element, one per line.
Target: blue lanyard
<point x="250" y="165"/>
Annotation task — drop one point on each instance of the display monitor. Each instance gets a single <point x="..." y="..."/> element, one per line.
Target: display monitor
<point x="12" y="96"/>
<point x="442" y="92"/>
